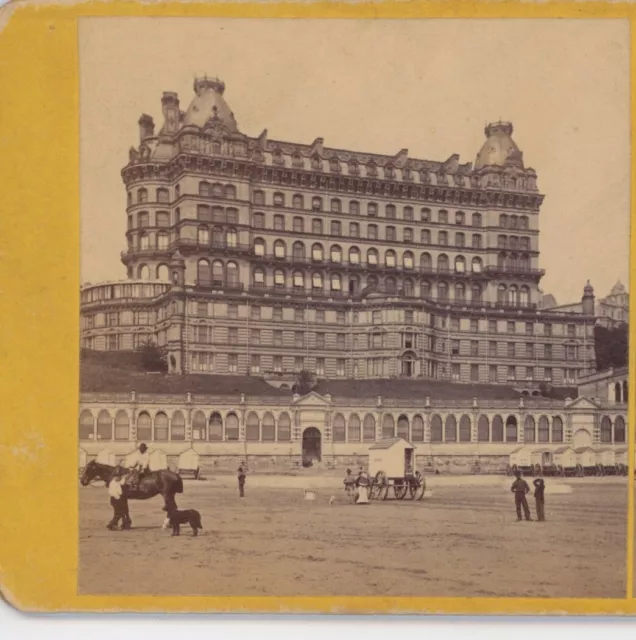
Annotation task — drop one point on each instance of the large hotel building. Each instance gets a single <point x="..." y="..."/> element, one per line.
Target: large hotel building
<point x="259" y="257"/>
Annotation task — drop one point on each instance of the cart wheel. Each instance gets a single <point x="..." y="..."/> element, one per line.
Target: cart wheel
<point x="561" y="471"/>
<point x="399" y="490"/>
<point x="417" y="490"/>
<point x="537" y="469"/>
<point x="579" y="471"/>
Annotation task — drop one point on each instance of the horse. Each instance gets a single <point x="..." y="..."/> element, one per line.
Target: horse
<point x="164" y="482"/>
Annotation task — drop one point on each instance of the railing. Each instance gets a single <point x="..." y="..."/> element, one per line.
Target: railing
<point x="210" y="283"/>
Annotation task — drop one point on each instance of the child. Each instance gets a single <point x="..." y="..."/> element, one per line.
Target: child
<point x="350" y="486"/>
<point x="119" y="504"/>
<point x="539" y="489"/>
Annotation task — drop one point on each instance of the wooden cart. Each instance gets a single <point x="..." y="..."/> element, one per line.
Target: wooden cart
<point x="392" y="465"/>
<point x="606" y="462"/>
<point x="620" y="455"/>
<point x="544" y="464"/>
<point x="521" y="460"/>
<point x="566" y="462"/>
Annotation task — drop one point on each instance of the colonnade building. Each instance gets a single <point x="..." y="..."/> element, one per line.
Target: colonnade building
<point x="257" y="257"/>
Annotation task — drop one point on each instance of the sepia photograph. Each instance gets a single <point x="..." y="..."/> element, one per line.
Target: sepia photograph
<point x="332" y="264"/>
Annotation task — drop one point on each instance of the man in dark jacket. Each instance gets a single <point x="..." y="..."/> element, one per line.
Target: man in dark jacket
<point x="539" y="489"/>
<point x="241" y="481"/>
<point x="520" y="488"/>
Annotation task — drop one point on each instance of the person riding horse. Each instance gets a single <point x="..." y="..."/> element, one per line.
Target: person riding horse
<point x="140" y="464"/>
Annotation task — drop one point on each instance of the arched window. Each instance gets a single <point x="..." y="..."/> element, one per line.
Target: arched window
<point x="203" y="236"/>
<point x="483" y="429"/>
<point x="354" y="255"/>
<point x="259" y="247"/>
<point x="161" y="426"/>
<point x="298" y="202"/>
<point x="390" y="259"/>
<point x="177" y="426"/>
<point x="279" y="278"/>
<point x="217" y="236"/>
<point x="529" y="430"/>
<point x="388" y="426"/>
<point x="513" y="296"/>
<point x="279" y="249"/>
<point x="557" y="429"/>
<point x="335" y="204"/>
<point x="619" y="430"/>
<point x="259" y="277"/>
<point x="460" y="264"/>
<point x="144" y="272"/>
<point x="503" y="220"/>
<point x="403" y="427"/>
<point x="426" y="262"/>
<point x="217" y="272"/>
<point x="408" y="287"/>
<point x="442" y="238"/>
<point x="231" y="427"/>
<point x="417" y="429"/>
<point x="442" y="262"/>
<point x="269" y="428"/>
<point x="464" y="429"/>
<point x="442" y="291"/>
<point x="230" y="192"/>
<point x="606" y="430"/>
<point x="544" y="430"/>
<point x="299" y="279"/>
<point x="203" y="272"/>
<point x="460" y="292"/>
<point x="316" y="203"/>
<point x="144" y="426"/>
<point x="390" y="285"/>
<point x="476" y="293"/>
<point x="368" y="428"/>
<point x="353" y="432"/>
<point x="253" y="428"/>
<point x="512" y="432"/>
<point x="436" y="428"/>
<point x="476" y="265"/>
<point x="316" y="280"/>
<point x="316" y="252"/>
<point x="372" y="257"/>
<point x="284" y="428"/>
<point x="450" y="429"/>
<point x="86" y="425"/>
<point x="372" y="281"/>
<point x="122" y="426"/>
<point x="524" y="296"/>
<point x="336" y="282"/>
<point x="217" y="190"/>
<point x="339" y="430"/>
<point x="501" y="293"/>
<point x="232" y="273"/>
<point x="142" y="196"/>
<point x="476" y="220"/>
<point x="104" y="426"/>
<point x="199" y="431"/>
<point x="162" y="240"/>
<point x="425" y="236"/>
<point x="497" y="429"/>
<point x="408" y="260"/>
<point x="298" y="251"/>
<point x="336" y="254"/>
<point x="501" y="260"/>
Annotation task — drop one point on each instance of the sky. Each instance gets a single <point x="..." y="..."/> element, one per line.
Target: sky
<point x="379" y="86"/>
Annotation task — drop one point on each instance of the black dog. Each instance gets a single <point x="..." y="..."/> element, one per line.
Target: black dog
<point x="187" y="516"/>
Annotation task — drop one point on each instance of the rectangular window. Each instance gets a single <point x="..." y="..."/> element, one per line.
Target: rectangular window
<point x="299" y="315"/>
<point x="547" y="329"/>
<point x="340" y="317"/>
<point x="232" y="311"/>
<point x="474" y="373"/>
<point x="320" y="341"/>
<point x="492" y="326"/>
<point x="376" y="317"/>
<point x="255" y="364"/>
<point x="340" y="340"/>
<point x="511" y="349"/>
<point x="511" y="373"/>
<point x="340" y="367"/>
<point x="298" y="364"/>
<point x="255" y="312"/>
<point x="529" y="328"/>
<point x="529" y="350"/>
<point x="255" y="336"/>
<point x="336" y="228"/>
<point x="232" y="335"/>
<point x="354" y="230"/>
<point x="454" y="324"/>
<point x="474" y="325"/>
<point x="278" y="364"/>
<point x="547" y="373"/>
<point x="277" y="314"/>
<point x="548" y="351"/>
<point x="492" y="349"/>
<point x="474" y="348"/>
<point x="232" y="363"/>
<point x="408" y="317"/>
<point x="511" y="326"/>
<point x="299" y="339"/>
<point x="202" y="309"/>
<point x="316" y="226"/>
<point x="320" y="366"/>
<point x="455" y="372"/>
<point x="455" y="347"/>
<point x="529" y="373"/>
<point x="492" y="374"/>
<point x="571" y="330"/>
<point x="320" y="315"/>
<point x="278" y="338"/>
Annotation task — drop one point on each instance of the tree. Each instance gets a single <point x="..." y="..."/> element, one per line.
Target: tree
<point x="305" y="382"/>
<point x="153" y="358"/>
<point x="611" y="346"/>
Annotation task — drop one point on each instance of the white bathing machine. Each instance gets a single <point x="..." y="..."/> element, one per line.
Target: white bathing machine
<point x="586" y="462"/>
<point x="188" y="464"/>
<point x="392" y="463"/>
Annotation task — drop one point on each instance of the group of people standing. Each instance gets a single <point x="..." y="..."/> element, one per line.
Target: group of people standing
<point x="521" y="489"/>
<point x="357" y="487"/>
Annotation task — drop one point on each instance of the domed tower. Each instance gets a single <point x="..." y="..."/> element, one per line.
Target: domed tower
<point x="500" y="149"/>
<point x="588" y="300"/>
<point x="208" y="107"/>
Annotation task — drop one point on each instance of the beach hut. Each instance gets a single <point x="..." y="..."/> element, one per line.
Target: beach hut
<point x="158" y="460"/>
<point x="586" y="462"/>
<point x="106" y="456"/>
<point x="620" y="456"/>
<point x="392" y="463"/>
<point x="521" y="460"/>
<point x="565" y="460"/>
<point x="543" y="462"/>
<point x="188" y="465"/>
<point x="606" y="462"/>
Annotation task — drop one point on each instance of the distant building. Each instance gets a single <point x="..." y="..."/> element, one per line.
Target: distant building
<point x="611" y="311"/>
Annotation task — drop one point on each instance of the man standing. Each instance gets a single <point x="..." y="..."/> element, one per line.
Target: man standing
<point x="520" y="488"/>
<point x="241" y="481"/>
<point x="539" y="489"/>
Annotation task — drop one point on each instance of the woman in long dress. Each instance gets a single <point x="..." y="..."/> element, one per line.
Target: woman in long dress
<point x="363" y="485"/>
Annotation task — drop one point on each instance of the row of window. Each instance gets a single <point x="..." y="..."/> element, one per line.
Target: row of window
<point x="162" y="195"/>
<point x="451" y="429"/>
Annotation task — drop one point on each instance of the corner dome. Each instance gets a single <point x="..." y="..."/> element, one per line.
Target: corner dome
<point x="499" y="149"/>
<point x="209" y="106"/>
